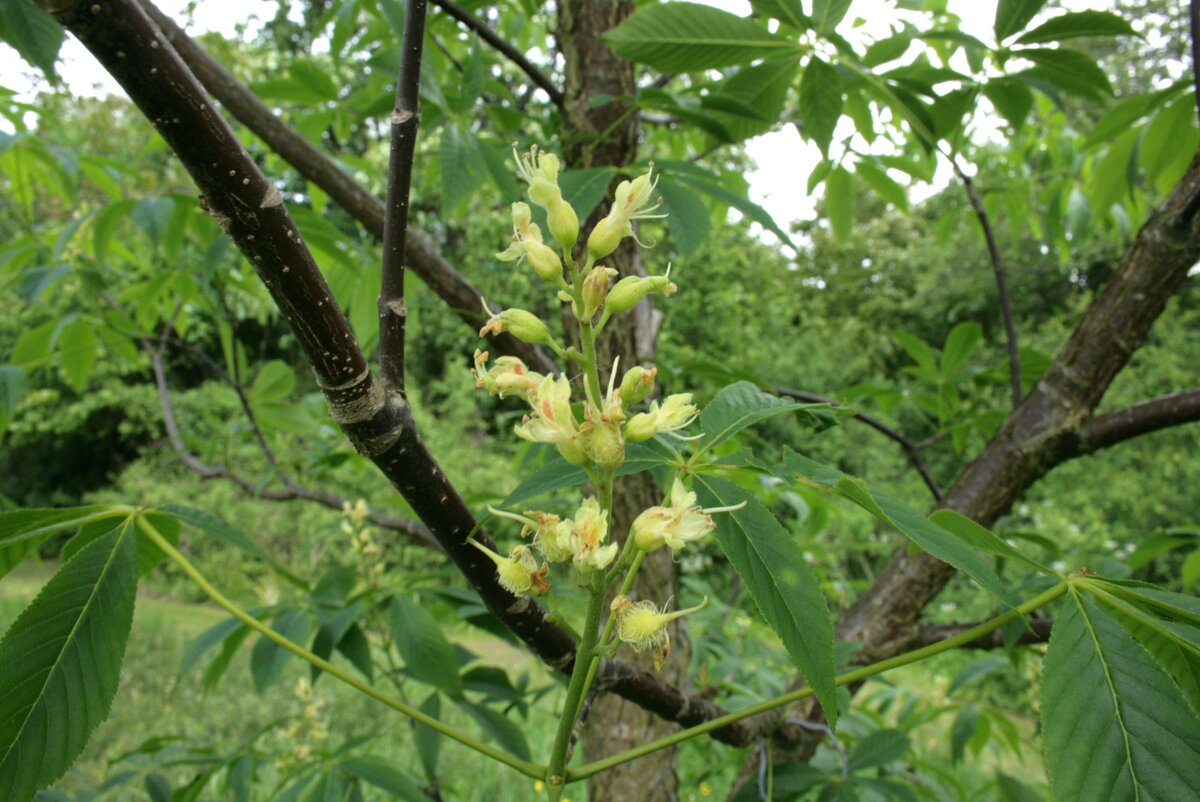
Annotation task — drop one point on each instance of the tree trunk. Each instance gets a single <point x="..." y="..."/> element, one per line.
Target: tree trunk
<point x="607" y="135"/>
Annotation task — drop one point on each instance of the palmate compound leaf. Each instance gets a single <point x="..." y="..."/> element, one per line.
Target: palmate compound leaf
<point x="787" y="593"/>
<point x="60" y="662"/>
<point x="1115" y="726"/>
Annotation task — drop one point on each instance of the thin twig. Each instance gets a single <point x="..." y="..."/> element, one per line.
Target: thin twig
<point x="406" y="117"/>
<point x="446" y="282"/>
<point x="1010" y="329"/>
<point x="502" y="46"/>
<point x="912" y="450"/>
<point x="239" y="388"/>
<point x="414" y="529"/>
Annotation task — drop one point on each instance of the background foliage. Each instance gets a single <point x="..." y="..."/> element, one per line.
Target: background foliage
<point x="882" y="302"/>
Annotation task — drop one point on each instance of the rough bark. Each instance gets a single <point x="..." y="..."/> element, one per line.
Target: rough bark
<point x="607" y="135"/>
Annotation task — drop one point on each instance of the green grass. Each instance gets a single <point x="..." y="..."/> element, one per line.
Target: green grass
<point x="153" y="701"/>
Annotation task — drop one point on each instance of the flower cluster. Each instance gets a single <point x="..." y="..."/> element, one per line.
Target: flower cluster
<point x="590" y="431"/>
<point x="605" y="427"/>
<point x="362" y="542"/>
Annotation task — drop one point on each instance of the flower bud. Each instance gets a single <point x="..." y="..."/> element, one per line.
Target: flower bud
<point x="637" y="384"/>
<point x="564" y="224"/>
<point x="509" y="376"/>
<point x="632" y="289"/>
<point x="519" y="323"/>
<point x="595" y="288"/>
<point x="544" y="261"/>
<point x="604" y="239"/>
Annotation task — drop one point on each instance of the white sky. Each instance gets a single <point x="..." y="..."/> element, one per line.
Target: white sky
<point x="784" y="158"/>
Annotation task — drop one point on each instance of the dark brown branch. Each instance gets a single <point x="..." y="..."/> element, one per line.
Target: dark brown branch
<point x="912" y="450"/>
<point x="1142" y="418"/>
<point x="446" y="282"/>
<point x="1037" y="631"/>
<point x="1010" y="329"/>
<point x="380" y="426"/>
<point x="417" y="531"/>
<point x="501" y="46"/>
<point x="1045" y="430"/>
<point x="405" y="119"/>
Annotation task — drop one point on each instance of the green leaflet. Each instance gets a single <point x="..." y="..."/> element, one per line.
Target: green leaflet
<point x="32" y="32"/>
<point x="1080" y="23"/>
<point x="558" y="473"/>
<point x="839" y="203"/>
<point x="22" y="531"/>
<point x="60" y="663"/>
<point x="941" y="543"/>
<point x="820" y="102"/>
<point x="787" y="593"/>
<point x="1014" y="15"/>
<point x="500" y="728"/>
<point x="382" y="774"/>
<point x="680" y="37"/>
<point x="221" y="529"/>
<point x="1115" y="726"/>
<point x="426" y="652"/>
<point x="268" y="658"/>
<point x="738" y="406"/>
